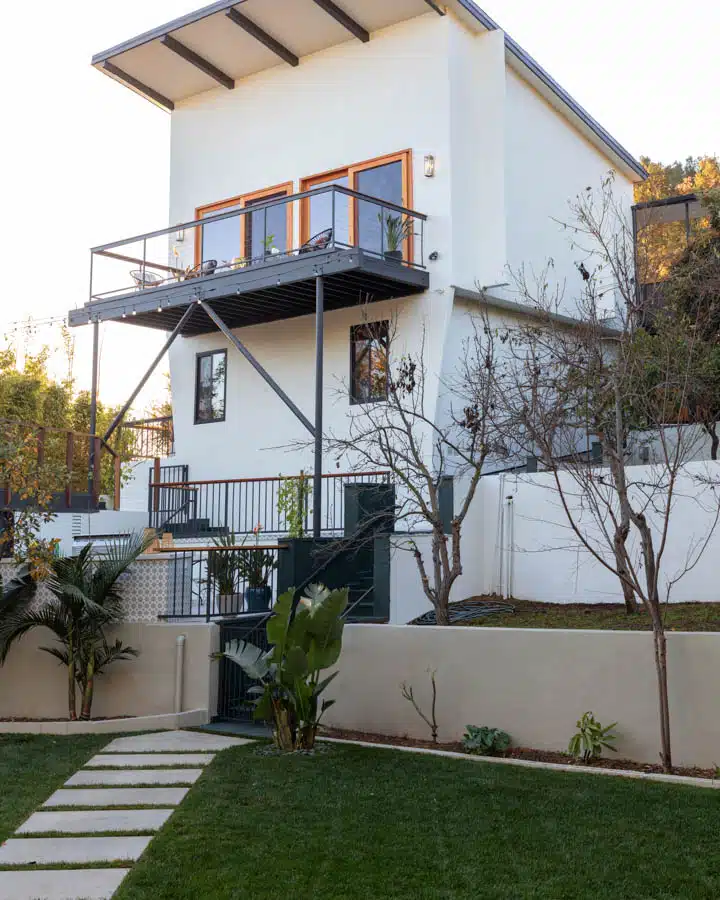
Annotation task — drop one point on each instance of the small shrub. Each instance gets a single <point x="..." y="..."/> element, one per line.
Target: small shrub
<point x="591" y="738"/>
<point x="484" y="741"/>
<point x="430" y="721"/>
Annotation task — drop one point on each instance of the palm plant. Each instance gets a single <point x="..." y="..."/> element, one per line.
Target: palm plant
<point x="81" y="600"/>
<point x="19" y="589"/>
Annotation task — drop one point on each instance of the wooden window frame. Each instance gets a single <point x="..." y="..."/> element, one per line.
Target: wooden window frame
<point x="242" y="200"/>
<point x="313" y="181"/>
<point x="198" y="357"/>
<point x="381" y="325"/>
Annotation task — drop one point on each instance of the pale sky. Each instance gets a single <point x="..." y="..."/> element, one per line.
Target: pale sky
<point x="85" y="161"/>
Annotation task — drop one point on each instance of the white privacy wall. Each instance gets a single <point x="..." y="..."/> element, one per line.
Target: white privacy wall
<point x="517" y="543"/>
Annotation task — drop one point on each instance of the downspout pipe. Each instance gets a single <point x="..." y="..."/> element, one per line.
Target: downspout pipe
<point x="179" y="671"/>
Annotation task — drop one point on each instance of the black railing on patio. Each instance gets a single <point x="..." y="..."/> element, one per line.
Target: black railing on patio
<point x="214" y="582"/>
<point x="151" y="438"/>
<point x="327" y="218"/>
<point x="280" y="506"/>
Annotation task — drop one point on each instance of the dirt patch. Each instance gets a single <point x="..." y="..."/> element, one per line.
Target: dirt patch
<point x="609" y="616"/>
<point x="547" y="756"/>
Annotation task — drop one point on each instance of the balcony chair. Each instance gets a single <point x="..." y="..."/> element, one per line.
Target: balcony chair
<point x="145" y="279"/>
<point x="320" y="241"/>
<point x="202" y="269"/>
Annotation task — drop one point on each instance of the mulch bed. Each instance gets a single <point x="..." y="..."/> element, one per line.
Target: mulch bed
<point x="546" y="756"/>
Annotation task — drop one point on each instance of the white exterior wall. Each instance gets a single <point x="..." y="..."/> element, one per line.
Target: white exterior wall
<point x="516" y="542"/>
<point x="547" y="164"/>
<point x="340" y="106"/>
<point x="477" y="137"/>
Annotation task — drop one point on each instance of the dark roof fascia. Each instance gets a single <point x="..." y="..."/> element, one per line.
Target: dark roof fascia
<point x="668" y="201"/>
<point x="540" y="73"/>
<point x="162" y="30"/>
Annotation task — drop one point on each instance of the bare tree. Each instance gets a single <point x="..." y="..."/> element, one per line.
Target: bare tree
<point x="395" y="427"/>
<point x="598" y="378"/>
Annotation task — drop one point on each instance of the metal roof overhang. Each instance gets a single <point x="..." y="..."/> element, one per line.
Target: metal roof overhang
<point x="231" y="39"/>
<point x="281" y="289"/>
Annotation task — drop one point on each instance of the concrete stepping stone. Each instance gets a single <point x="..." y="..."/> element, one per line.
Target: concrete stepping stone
<point x="106" y="797"/>
<point x="149" y="760"/>
<point x="53" y="851"/>
<point x="61" y="884"/>
<point x="121" y="777"/>
<point x="174" y="741"/>
<point x="96" y="821"/>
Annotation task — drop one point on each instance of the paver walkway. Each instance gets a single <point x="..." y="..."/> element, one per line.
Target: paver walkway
<point x="82" y="823"/>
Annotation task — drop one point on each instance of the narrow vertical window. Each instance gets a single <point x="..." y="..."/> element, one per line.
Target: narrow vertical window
<point x="210" y="382"/>
<point x="369" y="362"/>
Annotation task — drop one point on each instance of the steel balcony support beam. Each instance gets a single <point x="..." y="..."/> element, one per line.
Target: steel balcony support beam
<point x="198" y="61"/>
<point x="319" y="348"/>
<point x="93" y="405"/>
<point x="261" y="370"/>
<point x="143" y="381"/>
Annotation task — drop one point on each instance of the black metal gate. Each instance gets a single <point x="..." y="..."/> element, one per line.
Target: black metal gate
<point x="233" y="700"/>
<point x="359" y="561"/>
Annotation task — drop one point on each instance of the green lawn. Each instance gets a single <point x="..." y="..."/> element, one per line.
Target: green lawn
<point x="528" y="614"/>
<point x="33" y="766"/>
<point x="363" y="824"/>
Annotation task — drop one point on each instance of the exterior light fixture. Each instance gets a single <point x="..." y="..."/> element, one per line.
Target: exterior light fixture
<point x="429" y="166"/>
<point x="180" y="235"/>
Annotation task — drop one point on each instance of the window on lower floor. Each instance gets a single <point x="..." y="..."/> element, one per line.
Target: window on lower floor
<point x="369" y="363"/>
<point x="210" y="383"/>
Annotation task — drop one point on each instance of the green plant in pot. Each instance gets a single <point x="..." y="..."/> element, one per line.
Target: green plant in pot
<point x="397" y="229"/>
<point x="289" y="675"/>
<point x="224" y="572"/>
<point x="255" y="566"/>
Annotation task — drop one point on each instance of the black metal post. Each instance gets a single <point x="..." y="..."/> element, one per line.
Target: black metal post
<point x="319" y="341"/>
<point x="143" y="381"/>
<point x="93" y="403"/>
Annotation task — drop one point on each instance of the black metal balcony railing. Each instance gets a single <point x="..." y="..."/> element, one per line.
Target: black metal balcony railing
<point x="244" y="239"/>
<point x="208" y="582"/>
<point x="238" y="506"/>
<point x="150" y="438"/>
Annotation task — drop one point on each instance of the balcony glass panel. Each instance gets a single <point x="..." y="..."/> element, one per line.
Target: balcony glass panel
<point x="321" y="212"/>
<point x="266" y="229"/>
<point x="386" y="183"/>
<point x="221" y="240"/>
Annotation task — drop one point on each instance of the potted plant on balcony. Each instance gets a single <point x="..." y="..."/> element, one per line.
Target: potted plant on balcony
<point x="255" y="567"/>
<point x="397" y="230"/>
<point x="224" y="572"/>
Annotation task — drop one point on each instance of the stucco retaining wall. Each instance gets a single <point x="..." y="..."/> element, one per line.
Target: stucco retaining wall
<point x="33" y="683"/>
<point x="534" y="684"/>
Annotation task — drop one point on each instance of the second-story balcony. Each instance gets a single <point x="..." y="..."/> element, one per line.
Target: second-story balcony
<point x="246" y="264"/>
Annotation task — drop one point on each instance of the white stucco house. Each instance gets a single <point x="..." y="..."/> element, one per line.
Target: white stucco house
<point x="332" y="164"/>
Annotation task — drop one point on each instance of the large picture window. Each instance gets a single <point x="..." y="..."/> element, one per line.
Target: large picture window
<point x="369" y="363"/>
<point x="249" y="237"/>
<point x="210" y="387"/>
<point x="359" y="223"/>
